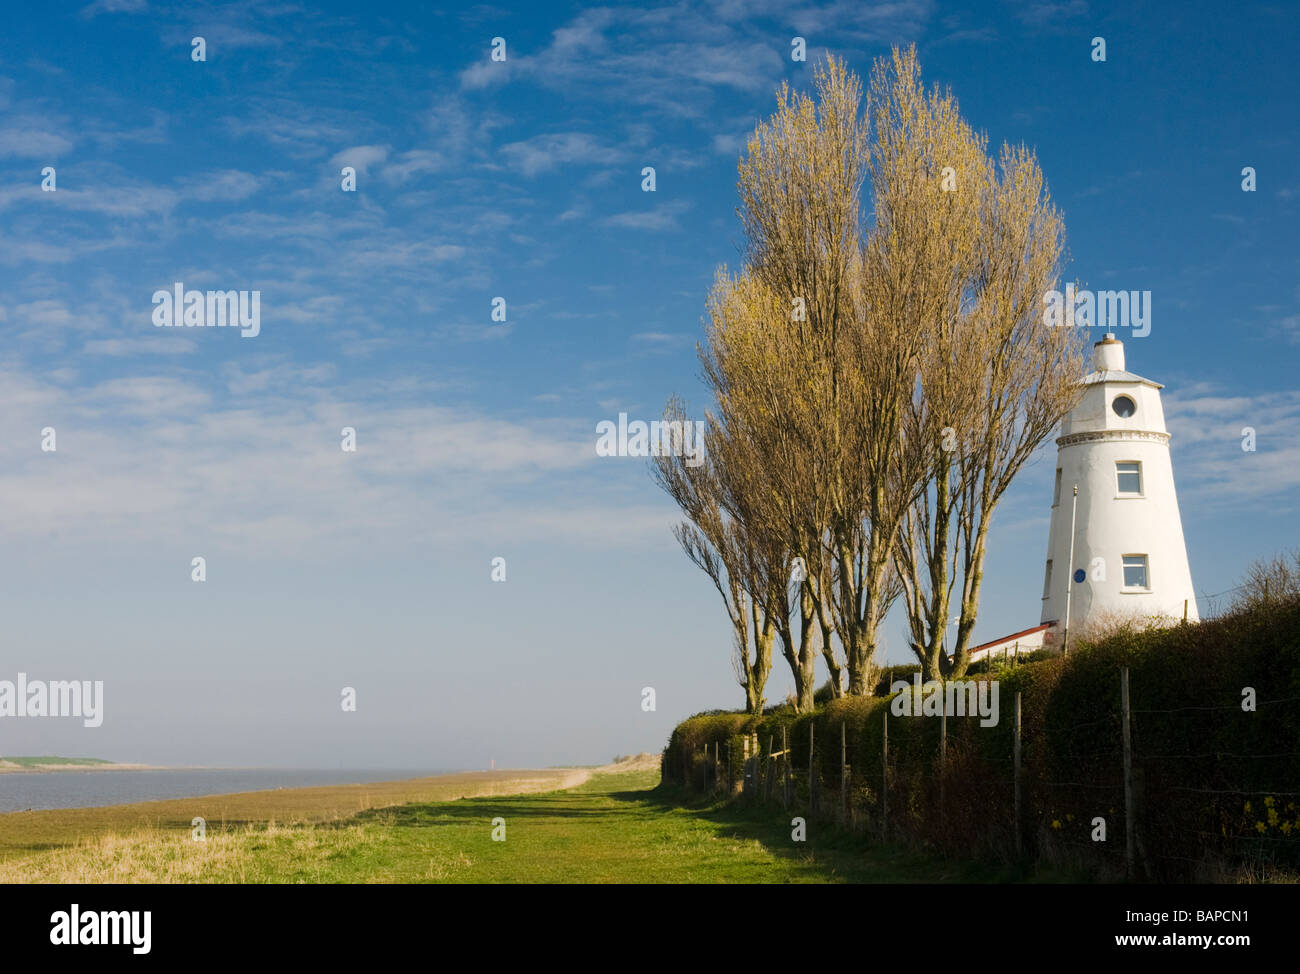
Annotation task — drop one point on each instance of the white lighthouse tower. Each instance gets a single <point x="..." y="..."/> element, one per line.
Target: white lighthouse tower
<point x="1116" y="547"/>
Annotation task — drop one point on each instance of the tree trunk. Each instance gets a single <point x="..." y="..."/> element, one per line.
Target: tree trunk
<point x="798" y="650"/>
<point x="762" y="668"/>
<point x="832" y="664"/>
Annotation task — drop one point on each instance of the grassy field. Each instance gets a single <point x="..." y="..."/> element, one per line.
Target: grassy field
<point x="22" y="833"/>
<point x="615" y="827"/>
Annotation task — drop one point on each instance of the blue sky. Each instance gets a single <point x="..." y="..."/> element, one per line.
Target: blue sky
<point x="522" y="179"/>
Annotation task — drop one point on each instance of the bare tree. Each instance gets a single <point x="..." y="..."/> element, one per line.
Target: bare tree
<point x="878" y="383"/>
<point x="1270" y="581"/>
<point x="983" y="244"/>
<point x="721" y="545"/>
<point x="759" y="459"/>
<point x="827" y="392"/>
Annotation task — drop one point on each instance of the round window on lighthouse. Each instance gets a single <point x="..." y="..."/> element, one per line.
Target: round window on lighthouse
<point x="1124" y="406"/>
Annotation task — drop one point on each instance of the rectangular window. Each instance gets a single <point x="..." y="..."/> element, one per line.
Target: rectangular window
<point x="1047" y="579"/>
<point x="1128" y="476"/>
<point x="1056" y="492"/>
<point x="1135" y="571"/>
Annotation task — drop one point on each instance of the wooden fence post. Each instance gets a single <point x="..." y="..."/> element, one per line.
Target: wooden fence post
<point x="1129" y="811"/>
<point x="884" y="778"/>
<point x="1016" y="798"/>
<point x="758" y="764"/>
<point x="785" y="761"/>
<point x="812" y="795"/>
<point x="767" y="795"/>
<point x="943" y="760"/>
<point x="844" y="775"/>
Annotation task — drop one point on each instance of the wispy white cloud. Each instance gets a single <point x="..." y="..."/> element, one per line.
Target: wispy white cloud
<point x="229" y="27"/>
<point x="662" y="217"/>
<point x="291" y="126"/>
<point x="663" y="338"/>
<point x="140" y="345"/>
<point x="226" y="185"/>
<point x="27" y="137"/>
<point x="1208" y="428"/>
<point x="414" y="162"/>
<point x="359" y="157"/>
<point x="672" y="59"/>
<point x="257" y="465"/>
<point x="1048" y="13"/>
<point x="543" y="153"/>
<point x="114" y="7"/>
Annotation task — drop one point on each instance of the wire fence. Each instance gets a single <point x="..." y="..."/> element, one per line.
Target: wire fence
<point x="1101" y="794"/>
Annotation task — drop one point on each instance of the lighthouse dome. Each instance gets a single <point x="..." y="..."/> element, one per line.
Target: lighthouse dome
<point x="1114" y="398"/>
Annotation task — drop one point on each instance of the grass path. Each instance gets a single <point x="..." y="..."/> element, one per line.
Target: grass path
<point x="613" y="828"/>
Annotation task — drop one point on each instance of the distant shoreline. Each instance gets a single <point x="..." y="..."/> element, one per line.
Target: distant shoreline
<point x="8" y="767"/>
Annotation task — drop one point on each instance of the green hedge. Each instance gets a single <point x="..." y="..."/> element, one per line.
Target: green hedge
<point x="1216" y="787"/>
